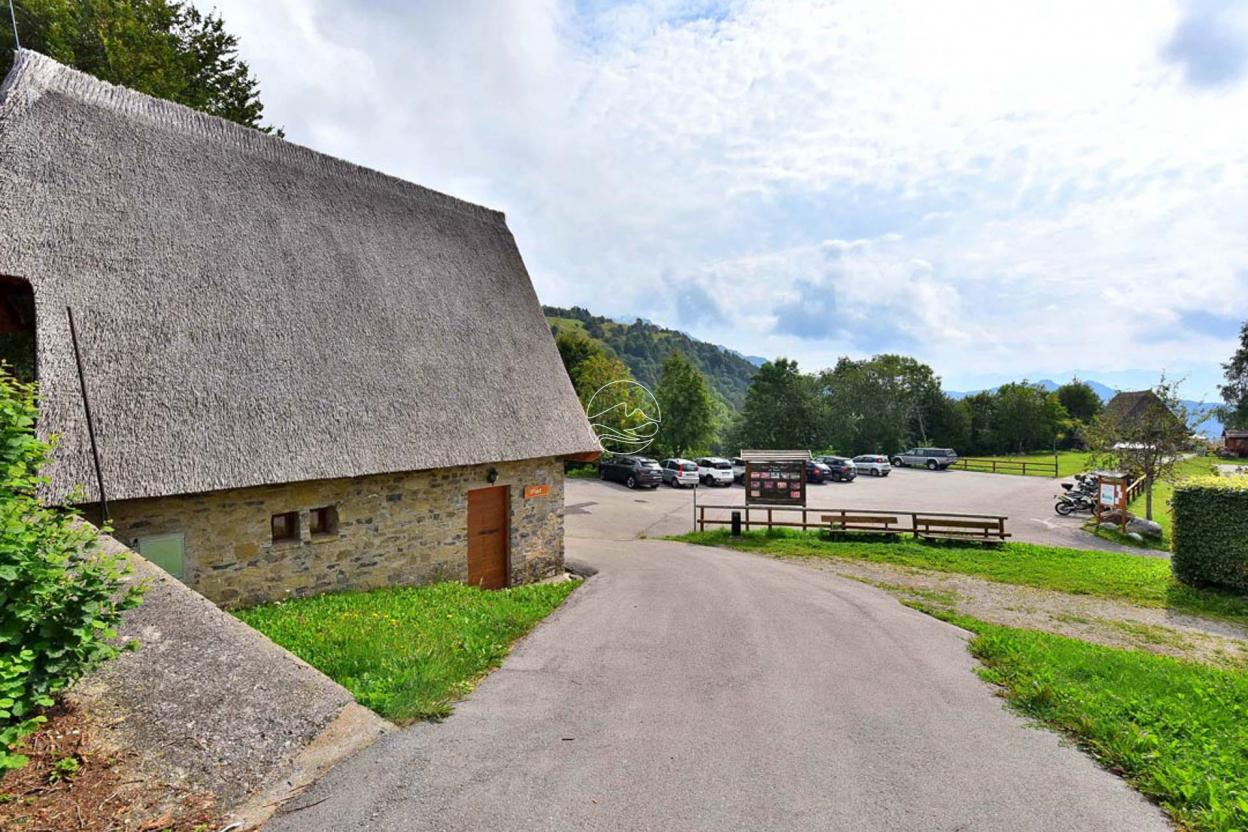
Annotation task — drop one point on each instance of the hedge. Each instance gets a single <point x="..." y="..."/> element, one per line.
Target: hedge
<point x="1209" y="535"/>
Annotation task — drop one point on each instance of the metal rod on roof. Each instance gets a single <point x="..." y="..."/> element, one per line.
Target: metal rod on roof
<point x="17" y="41"/>
<point x="86" y="406"/>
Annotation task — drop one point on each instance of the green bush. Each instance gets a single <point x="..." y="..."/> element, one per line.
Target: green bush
<point x="60" y="597"/>
<point x="1209" y="538"/>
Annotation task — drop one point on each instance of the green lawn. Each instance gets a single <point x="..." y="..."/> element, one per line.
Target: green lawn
<point x="586" y="471"/>
<point x="408" y="653"/>
<point x="1177" y="731"/>
<point x="1162" y="491"/>
<point x="1068" y="463"/>
<point x="1142" y="580"/>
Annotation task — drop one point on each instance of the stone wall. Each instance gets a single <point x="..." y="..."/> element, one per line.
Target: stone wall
<point x="393" y="529"/>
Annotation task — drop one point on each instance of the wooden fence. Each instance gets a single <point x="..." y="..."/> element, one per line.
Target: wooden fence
<point x="1135" y="489"/>
<point x="929" y="524"/>
<point x="1025" y="467"/>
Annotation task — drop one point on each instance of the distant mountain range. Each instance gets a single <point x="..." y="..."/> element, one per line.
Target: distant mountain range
<point x="1211" y="427"/>
<point x="643" y="346"/>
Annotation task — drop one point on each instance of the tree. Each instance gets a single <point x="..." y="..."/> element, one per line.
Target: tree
<point x="575" y="348"/>
<point x="596" y="372"/>
<point x="688" y="409"/>
<point x="165" y="48"/>
<point x="1080" y="400"/>
<point x="1144" y="434"/>
<point x="1027" y="416"/>
<point x="881" y="403"/>
<point x="980" y="409"/>
<point x="1235" y="392"/>
<point x="781" y="409"/>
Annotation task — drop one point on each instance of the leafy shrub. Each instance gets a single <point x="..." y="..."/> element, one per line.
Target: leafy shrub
<point x="60" y="597"/>
<point x="1210" y="532"/>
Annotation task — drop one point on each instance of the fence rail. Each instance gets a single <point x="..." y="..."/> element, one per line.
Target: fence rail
<point x="920" y="523"/>
<point x="1025" y="467"/>
<point x="1134" y="490"/>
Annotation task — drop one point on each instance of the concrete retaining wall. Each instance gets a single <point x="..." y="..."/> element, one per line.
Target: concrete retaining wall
<point x="209" y="704"/>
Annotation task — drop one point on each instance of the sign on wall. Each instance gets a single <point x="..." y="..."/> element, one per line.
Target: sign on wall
<point x="780" y="483"/>
<point x="531" y="491"/>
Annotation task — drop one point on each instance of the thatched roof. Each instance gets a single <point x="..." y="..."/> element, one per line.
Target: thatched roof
<point x="253" y="312"/>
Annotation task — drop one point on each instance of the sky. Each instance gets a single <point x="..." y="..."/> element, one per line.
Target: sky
<point x="1002" y="190"/>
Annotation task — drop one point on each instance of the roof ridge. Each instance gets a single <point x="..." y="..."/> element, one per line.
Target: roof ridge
<point x="34" y="74"/>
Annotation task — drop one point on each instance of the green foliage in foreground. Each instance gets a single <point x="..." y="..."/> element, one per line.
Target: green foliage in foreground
<point x="408" y="653"/>
<point x="1178" y="731"/>
<point x="1142" y="580"/>
<point x="60" y="598"/>
<point x="1210" y="532"/>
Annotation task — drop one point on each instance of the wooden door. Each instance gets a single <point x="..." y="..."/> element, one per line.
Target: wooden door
<point x="488" y="533"/>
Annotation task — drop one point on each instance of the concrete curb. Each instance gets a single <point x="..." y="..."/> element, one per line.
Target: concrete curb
<point x="209" y="705"/>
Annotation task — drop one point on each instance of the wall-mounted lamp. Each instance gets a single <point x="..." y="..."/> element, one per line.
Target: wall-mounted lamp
<point x="492" y="476"/>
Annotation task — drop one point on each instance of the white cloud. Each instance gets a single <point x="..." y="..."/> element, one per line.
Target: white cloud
<point x="1035" y="187"/>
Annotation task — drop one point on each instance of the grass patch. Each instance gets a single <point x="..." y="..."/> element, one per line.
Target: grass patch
<point x="1177" y="731"/>
<point x="1141" y="580"/>
<point x="1068" y="463"/>
<point x="408" y="653"/>
<point x="1111" y="533"/>
<point x="586" y="471"/>
<point x="1163" y="490"/>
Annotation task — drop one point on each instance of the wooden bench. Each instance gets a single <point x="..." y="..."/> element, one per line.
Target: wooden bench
<point x="877" y="523"/>
<point x="946" y="528"/>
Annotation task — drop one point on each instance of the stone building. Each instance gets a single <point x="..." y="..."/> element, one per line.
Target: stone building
<point x="302" y="375"/>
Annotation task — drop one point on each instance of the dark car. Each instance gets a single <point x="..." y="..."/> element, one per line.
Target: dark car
<point x="840" y="469"/>
<point x="633" y="471"/>
<point x="817" y="471"/>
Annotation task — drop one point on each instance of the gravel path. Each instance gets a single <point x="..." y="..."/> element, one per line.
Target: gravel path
<point x="1100" y="620"/>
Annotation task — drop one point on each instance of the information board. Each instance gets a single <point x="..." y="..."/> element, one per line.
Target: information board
<point x="781" y="483"/>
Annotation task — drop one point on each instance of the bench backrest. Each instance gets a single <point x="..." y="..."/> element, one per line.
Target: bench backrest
<point x="874" y="519"/>
<point x="942" y="523"/>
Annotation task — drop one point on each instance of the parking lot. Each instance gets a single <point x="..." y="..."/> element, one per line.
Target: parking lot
<point x="1026" y="501"/>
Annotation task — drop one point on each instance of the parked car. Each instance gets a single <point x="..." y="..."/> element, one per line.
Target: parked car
<point x="738" y="469"/>
<point x="817" y="472"/>
<point x="872" y="464"/>
<point x="714" y="470"/>
<point x="633" y="471"/>
<point x="679" y="472"/>
<point x="929" y="458"/>
<point x="840" y="468"/>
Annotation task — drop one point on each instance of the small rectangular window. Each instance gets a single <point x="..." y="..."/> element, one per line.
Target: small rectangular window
<point x="166" y="551"/>
<point x="324" y="521"/>
<point x="285" y="527"/>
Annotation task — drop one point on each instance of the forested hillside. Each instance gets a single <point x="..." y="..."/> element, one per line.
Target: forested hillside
<point x="643" y="346"/>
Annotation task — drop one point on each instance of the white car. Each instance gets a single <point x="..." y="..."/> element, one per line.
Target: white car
<point x="714" y="470"/>
<point x="738" y="469"/>
<point x="872" y="464"/>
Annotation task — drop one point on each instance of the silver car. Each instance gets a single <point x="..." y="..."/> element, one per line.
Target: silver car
<point x="873" y="465"/>
<point x="930" y="458"/>
<point x="679" y="472"/>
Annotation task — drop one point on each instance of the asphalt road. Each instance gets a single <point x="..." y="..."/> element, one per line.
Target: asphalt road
<point x="1026" y="501"/>
<point x="688" y="688"/>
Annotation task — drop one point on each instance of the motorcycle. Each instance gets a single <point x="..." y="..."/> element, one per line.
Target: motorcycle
<point x="1080" y="496"/>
